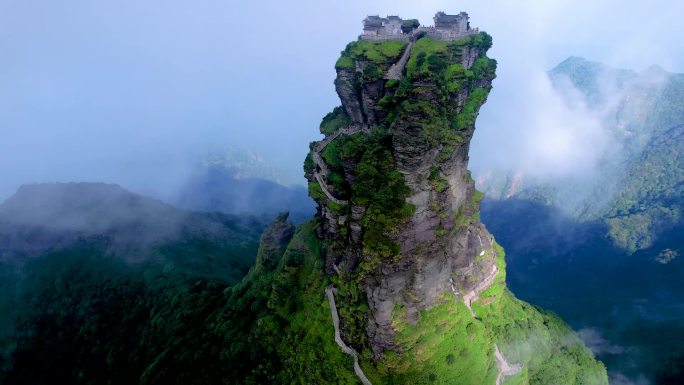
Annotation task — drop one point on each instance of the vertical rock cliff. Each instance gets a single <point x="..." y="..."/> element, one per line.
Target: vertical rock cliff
<point x="396" y="281"/>
<point x="398" y="207"/>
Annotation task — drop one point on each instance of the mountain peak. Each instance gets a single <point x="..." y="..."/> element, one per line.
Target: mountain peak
<point x="395" y="199"/>
<point x="82" y="206"/>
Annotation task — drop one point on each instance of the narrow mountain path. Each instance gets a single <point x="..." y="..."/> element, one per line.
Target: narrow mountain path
<point x="323" y="169"/>
<point x="473" y="295"/>
<point x="397" y="69"/>
<point x="505" y="369"/>
<point x="330" y="293"/>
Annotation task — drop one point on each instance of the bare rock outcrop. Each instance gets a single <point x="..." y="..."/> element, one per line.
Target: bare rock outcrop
<point x="274" y="240"/>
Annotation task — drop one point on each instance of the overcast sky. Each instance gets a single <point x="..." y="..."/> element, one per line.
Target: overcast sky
<point x="132" y="91"/>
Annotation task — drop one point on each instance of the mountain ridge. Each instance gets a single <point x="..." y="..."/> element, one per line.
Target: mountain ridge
<point x="638" y="183"/>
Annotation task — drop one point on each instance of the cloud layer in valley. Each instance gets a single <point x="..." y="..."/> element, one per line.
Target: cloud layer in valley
<point x="136" y="92"/>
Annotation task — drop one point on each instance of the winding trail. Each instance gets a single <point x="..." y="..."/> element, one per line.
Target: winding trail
<point x="330" y="293"/>
<point x="397" y="69"/>
<point x="505" y="369"/>
<point x="323" y="170"/>
<point x="394" y="72"/>
<point x="473" y="295"/>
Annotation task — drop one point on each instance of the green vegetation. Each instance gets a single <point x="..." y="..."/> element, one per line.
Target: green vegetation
<point x="439" y="183"/>
<point x="651" y="197"/>
<point x="127" y="325"/>
<point x="90" y="315"/>
<point x="484" y="68"/>
<point x="482" y="40"/>
<point x="309" y="164"/>
<point x="423" y="48"/>
<point x="475" y="203"/>
<point x="551" y="353"/>
<point x="472" y="107"/>
<point x="448" y="346"/>
<point x="315" y="191"/>
<point x="380" y="53"/>
<point x="381" y="189"/>
<point x="334" y="120"/>
<point x="433" y="73"/>
<point x="639" y="196"/>
<point x="105" y="322"/>
<point x="330" y="154"/>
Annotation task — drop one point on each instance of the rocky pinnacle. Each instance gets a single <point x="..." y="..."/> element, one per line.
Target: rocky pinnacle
<point x="407" y="117"/>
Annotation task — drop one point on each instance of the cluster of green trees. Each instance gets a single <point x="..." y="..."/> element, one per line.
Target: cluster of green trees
<point x="334" y="120"/>
<point x="433" y="73"/>
<point x="377" y="184"/>
<point x="636" y="190"/>
<point x="651" y="196"/>
<point x="93" y="319"/>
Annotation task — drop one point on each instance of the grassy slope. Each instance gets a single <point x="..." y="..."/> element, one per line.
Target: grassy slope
<point x="378" y="52"/>
<point x="447" y="345"/>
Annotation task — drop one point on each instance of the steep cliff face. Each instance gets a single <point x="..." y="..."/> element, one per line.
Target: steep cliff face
<point x="418" y="234"/>
<point x="273" y="242"/>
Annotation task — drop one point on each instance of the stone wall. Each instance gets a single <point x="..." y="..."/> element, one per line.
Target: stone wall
<point x="384" y="37"/>
<point x="440" y="34"/>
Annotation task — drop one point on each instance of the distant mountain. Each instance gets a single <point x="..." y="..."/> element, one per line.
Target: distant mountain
<point x="638" y="187"/>
<point x="75" y="254"/>
<point x="627" y="307"/>
<point x="218" y="187"/>
<point x="245" y="164"/>
<point x="46" y="217"/>
<point x="604" y="252"/>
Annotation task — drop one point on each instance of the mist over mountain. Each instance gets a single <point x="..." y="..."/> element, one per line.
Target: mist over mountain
<point x="218" y="187"/>
<point x="74" y="256"/>
<point x="627" y="307"/>
<point x="47" y="217"/>
<point x="602" y="247"/>
<point x="635" y="182"/>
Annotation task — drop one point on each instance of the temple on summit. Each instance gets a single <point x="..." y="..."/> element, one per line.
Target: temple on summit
<point x="446" y="27"/>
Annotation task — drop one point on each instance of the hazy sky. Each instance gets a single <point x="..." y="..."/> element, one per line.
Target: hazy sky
<point x="132" y="91"/>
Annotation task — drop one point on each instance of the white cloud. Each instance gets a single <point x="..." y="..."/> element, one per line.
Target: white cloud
<point x="597" y="343"/>
<point x="89" y="89"/>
